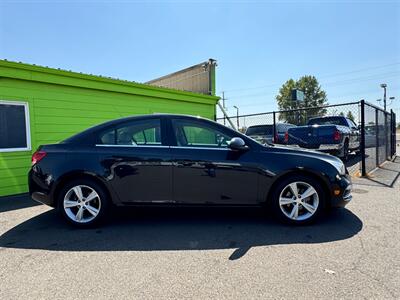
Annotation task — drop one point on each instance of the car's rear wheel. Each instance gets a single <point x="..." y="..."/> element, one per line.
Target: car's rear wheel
<point x="298" y="200"/>
<point x="83" y="203"/>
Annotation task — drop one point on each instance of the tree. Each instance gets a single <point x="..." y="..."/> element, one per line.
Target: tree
<point x="314" y="97"/>
<point x="350" y="116"/>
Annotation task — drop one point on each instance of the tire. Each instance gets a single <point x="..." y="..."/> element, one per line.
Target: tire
<point x="79" y="210"/>
<point x="283" y="208"/>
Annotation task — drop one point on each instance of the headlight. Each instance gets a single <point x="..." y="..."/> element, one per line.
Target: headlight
<point x="339" y="166"/>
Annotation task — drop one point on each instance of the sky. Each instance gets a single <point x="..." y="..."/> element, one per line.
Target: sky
<point x="350" y="46"/>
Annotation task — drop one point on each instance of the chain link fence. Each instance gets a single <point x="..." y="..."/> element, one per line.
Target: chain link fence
<point x="358" y="132"/>
<point x="379" y="136"/>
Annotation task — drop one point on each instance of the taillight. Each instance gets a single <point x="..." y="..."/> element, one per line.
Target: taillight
<point x="276" y="138"/>
<point x="38" y="156"/>
<point x="337" y="136"/>
<point x="286" y="137"/>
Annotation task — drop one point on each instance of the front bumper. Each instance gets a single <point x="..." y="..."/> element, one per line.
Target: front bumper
<point x="341" y="191"/>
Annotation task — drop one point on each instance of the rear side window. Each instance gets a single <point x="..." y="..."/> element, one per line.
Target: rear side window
<point x="134" y="133"/>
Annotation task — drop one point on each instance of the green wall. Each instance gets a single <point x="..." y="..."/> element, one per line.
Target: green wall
<point x="62" y="103"/>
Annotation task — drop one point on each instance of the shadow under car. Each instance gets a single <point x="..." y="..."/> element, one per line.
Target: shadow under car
<point x="150" y="229"/>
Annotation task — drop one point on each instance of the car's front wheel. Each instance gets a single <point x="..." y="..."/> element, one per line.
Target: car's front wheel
<point x="298" y="200"/>
<point x="83" y="203"/>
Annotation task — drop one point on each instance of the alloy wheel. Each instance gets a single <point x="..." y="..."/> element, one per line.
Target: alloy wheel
<point x="299" y="201"/>
<point x="82" y="204"/>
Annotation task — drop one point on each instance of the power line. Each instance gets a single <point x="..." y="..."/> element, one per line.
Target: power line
<point x="361" y="79"/>
<point x="322" y="76"/>
<point x="359" y="70"/>
<point x="329" y="84"/>
<point x="263" y="103"/>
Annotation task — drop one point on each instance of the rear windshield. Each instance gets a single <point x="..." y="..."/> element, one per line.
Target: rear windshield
<point x="282" y="128"/>
<point x="260" y="130"/>
<point x="327" y="121"/>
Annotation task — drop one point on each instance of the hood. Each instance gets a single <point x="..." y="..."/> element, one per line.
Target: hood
<point x="335" y="162"/>
<point x="306" y="152"/>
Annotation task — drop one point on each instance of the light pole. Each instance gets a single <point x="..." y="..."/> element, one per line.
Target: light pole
<point x="384" y="85"/>
<point x="237" y="116"/>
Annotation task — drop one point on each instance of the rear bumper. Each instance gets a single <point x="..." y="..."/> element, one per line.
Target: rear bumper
<point x="38" y="190"/>
<point x="329" y="147"/>
<point x="42" y="198"/>
<point x="321" y="147"/>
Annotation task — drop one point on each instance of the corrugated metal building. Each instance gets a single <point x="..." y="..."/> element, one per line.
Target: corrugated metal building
<point x="40" y="105"/>
<point x="199" y="78"/>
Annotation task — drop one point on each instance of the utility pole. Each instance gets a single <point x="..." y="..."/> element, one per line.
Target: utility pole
<point x="237" y="116"/>
<point x="384" y="85"/>
<point x="223" y="103"/>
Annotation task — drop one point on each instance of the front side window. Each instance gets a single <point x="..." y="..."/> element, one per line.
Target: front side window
<point x="14" y="126"/>
<point x="135" y="133"/>
<point x="198" y="134"/>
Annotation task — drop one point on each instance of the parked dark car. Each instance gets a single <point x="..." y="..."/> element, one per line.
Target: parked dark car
<point x="182" y="160"/>
<point x="336" y="135"/>
<point x="264" y="134"/>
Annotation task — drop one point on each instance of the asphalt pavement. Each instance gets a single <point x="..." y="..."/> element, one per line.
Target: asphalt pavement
<point x="207" y="253"/>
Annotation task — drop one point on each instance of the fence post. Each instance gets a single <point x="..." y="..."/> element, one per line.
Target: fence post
<point x="376" y="137"/>
<point x="386" y="136"/>
<point x="274" y="128"/>
<point x="392" y="134"/>
<point x="362" y="141"/>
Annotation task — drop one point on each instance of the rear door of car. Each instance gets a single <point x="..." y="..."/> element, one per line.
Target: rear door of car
<point x="136" y="160"/>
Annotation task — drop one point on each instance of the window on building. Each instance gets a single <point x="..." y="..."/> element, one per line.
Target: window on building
<point x="14" y="126"/>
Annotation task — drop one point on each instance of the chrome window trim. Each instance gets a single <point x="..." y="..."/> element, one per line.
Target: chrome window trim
<point x="162" y="146"/>
<point x="132" y="146"/>
<point x="202" y="148"/>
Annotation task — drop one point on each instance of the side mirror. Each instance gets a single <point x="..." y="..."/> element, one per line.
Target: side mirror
<point x="237" y="143"/>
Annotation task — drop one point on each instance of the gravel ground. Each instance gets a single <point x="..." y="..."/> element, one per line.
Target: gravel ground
<point x="206" y="253"/>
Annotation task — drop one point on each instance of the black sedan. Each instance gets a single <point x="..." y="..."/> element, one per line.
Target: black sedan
<point x="182" y="160"/>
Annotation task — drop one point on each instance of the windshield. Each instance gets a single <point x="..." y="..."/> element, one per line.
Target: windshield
<point x="259" y="130"/>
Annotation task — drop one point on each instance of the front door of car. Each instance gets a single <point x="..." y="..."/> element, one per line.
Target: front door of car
<point x="205" y="170"/>
<point x="137" y="161"/>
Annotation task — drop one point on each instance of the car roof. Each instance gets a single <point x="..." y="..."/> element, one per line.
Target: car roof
<point x="98" y="127"/>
